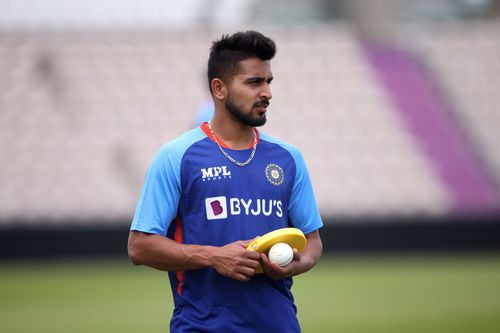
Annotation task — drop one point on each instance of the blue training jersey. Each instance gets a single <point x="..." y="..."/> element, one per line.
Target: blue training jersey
<point x="193" y="194"/>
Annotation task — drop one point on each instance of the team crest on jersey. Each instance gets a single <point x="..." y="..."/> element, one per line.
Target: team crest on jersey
<point x="274" y="173"/>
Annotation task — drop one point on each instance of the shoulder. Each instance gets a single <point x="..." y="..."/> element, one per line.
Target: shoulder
<point x="292" y="149"/>
<point x="178" y="147"/>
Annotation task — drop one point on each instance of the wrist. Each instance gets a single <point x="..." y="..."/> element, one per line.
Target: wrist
<point x="198" y="256"/>
<point x="210" y="256"/>
<point x="306" y="264"/>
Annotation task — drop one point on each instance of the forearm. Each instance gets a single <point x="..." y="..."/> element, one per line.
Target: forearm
<point x="165" y="254"/>
<point x="312" y="252"/>
<point x="232" y="260"/>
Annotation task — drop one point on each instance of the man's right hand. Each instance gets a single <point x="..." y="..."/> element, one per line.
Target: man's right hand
<point x="235" y="261"/>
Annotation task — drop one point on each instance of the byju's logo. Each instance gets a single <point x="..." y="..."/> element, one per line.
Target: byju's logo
<point x="222" y="207"/>
<point x="215" y="173"/>
<point x="216" y="208"/>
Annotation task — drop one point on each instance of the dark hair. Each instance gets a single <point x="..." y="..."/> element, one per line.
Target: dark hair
<point x="227" y="52"/>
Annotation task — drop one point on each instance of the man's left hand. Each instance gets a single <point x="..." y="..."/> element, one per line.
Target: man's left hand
<point x="276" y="272"/>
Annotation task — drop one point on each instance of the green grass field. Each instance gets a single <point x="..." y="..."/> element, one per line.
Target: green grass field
<point x="342" y="294"/>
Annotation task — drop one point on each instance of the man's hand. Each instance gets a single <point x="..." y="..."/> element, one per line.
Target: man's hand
<point x="302" y="262"/>
<point x="276" y="272"/>
<point x="235" y="261"/>
<point x="232" y="260"/>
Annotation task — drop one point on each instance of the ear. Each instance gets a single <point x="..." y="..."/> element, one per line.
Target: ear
<point x="219" y="89"/>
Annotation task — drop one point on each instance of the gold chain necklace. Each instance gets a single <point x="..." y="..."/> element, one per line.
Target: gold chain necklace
<point x="240" y="164"/>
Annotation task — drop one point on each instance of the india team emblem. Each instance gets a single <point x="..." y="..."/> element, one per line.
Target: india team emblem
<point x="274" y="173"/>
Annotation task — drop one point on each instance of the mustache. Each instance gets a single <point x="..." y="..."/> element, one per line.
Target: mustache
<point x="263" y="102"/>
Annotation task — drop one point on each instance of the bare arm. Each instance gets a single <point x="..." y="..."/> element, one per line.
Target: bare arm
<point x="232" y="260"/>
<point x="301" y="263"/>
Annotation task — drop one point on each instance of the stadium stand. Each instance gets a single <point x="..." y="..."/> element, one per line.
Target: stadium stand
<point x="427" y="114"/>
<point x="89" y="91"/>
<point x="466" y="61"/>
<point x="83" y="114"/>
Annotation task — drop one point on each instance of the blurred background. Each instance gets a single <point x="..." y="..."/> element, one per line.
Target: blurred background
<point x="395" y="105"/>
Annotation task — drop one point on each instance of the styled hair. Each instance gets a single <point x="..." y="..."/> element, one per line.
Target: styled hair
<point x="226" y="53"/>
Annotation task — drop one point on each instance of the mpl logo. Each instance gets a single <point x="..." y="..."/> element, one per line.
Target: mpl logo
<point x="215" y="173"/>
<point x="216" y="208"/>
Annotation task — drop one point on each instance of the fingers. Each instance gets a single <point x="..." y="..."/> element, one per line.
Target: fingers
<point x="247" y="272"/>
<point x="235" y="261"/>
<point x="244" y="271"/>
<point x="276" y="272"/>
<point x="269" y="264"/>
<point x="241" y="277"/>
<point x="269" y="267"/>
<point x="248" y="253"/>
<point x="296" y="255"/>
<point x="247" y="242"/>
<point x="253" y="255"/>
<point x="251" y="263"/>
<point x="240" y="263"/>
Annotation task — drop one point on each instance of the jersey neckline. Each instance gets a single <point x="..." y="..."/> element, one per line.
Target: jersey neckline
<point x="206" y="130"/>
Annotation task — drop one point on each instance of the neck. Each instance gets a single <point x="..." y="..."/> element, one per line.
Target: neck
<point x="233" y="133"/>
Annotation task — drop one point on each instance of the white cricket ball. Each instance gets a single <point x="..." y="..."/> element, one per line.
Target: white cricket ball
<point x="280" y="253"/>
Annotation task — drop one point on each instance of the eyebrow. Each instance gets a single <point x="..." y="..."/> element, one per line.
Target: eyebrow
<point x="259" y="79"/>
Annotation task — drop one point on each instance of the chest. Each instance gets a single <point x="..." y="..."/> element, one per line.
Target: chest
<point x="259" y="186"/>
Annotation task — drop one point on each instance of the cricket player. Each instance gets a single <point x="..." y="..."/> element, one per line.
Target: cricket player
<point x="211" y="191"/>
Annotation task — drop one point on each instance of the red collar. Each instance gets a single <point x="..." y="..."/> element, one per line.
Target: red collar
<point x="204" y="128"/>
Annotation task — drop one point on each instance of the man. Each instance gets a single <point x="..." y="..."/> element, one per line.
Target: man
<point x="210" y="192"/>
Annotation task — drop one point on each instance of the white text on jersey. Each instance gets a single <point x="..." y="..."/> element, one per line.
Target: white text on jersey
<point x="217" y="207"/>
<point x="215" y="173"/>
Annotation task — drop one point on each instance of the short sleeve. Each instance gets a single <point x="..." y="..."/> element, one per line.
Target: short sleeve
<point x="303" y="209"/>
<point x="160" y="195"/>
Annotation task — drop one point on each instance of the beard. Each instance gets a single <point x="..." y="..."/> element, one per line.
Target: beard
<point x="246" y="119"/>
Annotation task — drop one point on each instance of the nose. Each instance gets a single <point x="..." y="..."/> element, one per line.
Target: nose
<point x="266" y="92"/>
